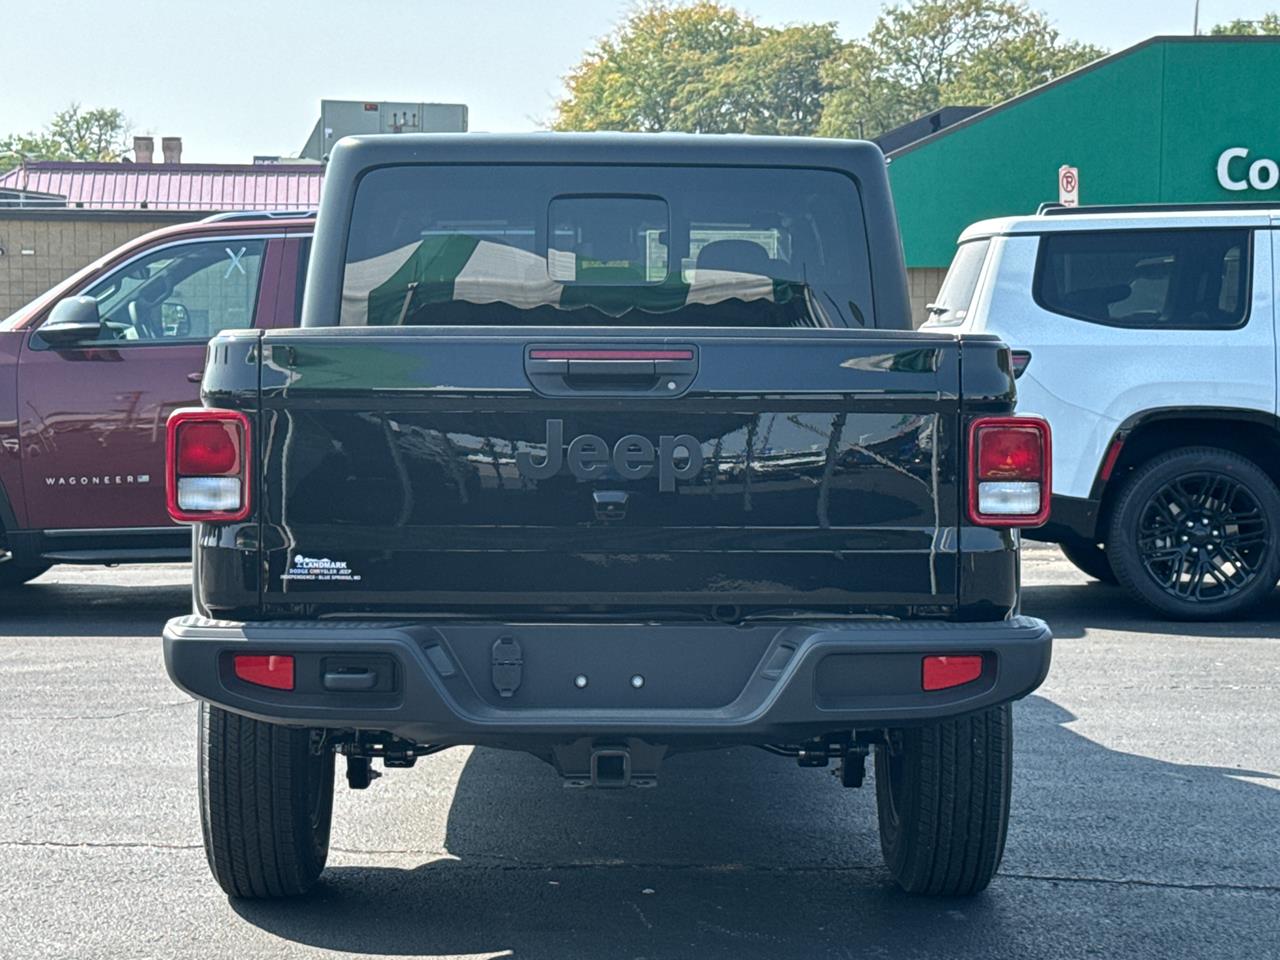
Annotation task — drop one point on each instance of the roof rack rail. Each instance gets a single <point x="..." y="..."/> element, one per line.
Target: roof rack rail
<point x="1058" y="210"/>
<point x="234" y="216"/>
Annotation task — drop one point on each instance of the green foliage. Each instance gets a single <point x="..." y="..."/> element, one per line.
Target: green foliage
<point x="701" y="68"/>
<point x="937" y="52"/>
<point x="31" y="146"/>
<point x="1269" y="25"/>
<point x="705" y="67"/>
<point x="72" y="134"/>
<point x="773" y="86"/>
<point x="99" y="134"/>
<point x="644" y="77"/>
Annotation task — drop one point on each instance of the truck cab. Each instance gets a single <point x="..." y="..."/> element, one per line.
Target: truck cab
<point x="91" y="370"/>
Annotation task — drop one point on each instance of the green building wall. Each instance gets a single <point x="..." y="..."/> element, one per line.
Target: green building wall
<point x="1144" y="125"/>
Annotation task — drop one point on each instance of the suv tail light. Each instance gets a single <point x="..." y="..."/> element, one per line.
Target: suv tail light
<point x="1009" y="471"/>
<point x="1019" y="360"/>
<point x="206" y="469"/>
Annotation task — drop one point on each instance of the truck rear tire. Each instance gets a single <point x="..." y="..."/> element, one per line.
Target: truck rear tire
<point x="942" y="795"/>
<point x="266" y="802"/>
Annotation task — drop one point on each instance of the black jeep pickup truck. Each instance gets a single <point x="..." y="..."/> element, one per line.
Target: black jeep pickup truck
<point x="605" y="448"/>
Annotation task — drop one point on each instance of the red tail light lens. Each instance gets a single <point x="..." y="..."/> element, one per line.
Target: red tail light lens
<point x="1009" y="453"/>
<point x="208" y="448"/>
<point x="265" y="671"/>
<point x="1010" y="465"/>
<point x="207" y="471"/>
<point x="942" y="673"/>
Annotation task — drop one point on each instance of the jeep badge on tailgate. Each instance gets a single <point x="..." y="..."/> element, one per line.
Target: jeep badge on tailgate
<point x="633" y="457"/>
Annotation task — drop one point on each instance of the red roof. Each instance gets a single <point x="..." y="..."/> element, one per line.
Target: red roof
<point x="172" y="186"/>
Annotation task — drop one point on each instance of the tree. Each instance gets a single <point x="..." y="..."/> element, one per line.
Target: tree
<point x="774" y="86"/>
<point x="1269" y="25"/>
<point x="16" y="148"/>
<point x="641" y="77"/>
<point x="927" y="54"/>
<point x="99" y="134"/>
<point x="72" y="134"/>
<point x="705" y="67"/>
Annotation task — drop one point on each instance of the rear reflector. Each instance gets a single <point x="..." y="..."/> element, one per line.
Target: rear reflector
<point x="1113" y="455"/>
<point x="1020" y="360"/>
<point x="1009" y="471"/>
<point x="265" y="671"/>
<point x="207" y="470"/>
<point x="940" y="673"/>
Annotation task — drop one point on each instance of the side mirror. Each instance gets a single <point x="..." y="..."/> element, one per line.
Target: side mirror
<point x="73" y="320"/>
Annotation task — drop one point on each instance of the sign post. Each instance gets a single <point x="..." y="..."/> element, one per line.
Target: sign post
<point x="1068" y="186"/>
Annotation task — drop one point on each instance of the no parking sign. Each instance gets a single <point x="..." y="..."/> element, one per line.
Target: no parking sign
<point x="1068" y="186"/>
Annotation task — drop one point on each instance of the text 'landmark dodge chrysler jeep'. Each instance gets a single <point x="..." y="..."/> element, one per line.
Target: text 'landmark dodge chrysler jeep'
<point x="606" y="448"/>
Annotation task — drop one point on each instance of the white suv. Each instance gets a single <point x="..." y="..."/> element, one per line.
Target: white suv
<point x="1147" y="337"/>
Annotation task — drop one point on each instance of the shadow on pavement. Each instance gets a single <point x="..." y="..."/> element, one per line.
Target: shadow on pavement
<point x="1073" y="608"/>
<point x="105" y="609"/>
<point x="738" y="855"/>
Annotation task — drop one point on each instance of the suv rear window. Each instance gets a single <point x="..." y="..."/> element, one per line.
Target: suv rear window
<point x="606" y="246"/>
<point x="1149" y="279"/>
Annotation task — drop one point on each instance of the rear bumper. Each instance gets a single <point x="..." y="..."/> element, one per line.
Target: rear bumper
<point x="514" y="684"/>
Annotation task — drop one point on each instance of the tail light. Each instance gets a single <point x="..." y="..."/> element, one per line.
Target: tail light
<point x="1020" y="360"/>
<point x="207" y="469"/>
<point x="1009" y="475"/>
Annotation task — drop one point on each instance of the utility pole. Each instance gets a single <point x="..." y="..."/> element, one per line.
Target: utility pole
<point x="1195" y="24"/>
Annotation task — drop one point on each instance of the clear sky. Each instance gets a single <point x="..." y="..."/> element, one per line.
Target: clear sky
<point x="236" y="78"/>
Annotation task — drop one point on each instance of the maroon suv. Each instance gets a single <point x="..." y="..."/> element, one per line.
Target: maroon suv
<point x="90" y="371"/>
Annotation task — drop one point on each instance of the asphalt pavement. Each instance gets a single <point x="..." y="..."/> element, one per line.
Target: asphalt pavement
<point x="1146" y="818"/>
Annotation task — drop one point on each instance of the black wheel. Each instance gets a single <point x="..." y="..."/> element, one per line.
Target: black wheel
<point x="14" y="573"/>
<point x="1193" y="534"/>
<point x="266" y="802"/>
<point x="1089" y="558"/>
<point x="942" y="795"/>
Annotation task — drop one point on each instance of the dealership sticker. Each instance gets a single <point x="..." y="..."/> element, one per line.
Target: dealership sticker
<point x="318" y="568"/>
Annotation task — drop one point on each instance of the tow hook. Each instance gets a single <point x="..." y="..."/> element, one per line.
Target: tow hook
<point x="360" y="773"/>
<point x="851" y="749"/>
<point x="853" y="766"/>
<point x="395" y="753"/>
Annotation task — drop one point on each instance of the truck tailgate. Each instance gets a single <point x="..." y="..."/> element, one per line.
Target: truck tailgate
<point x="718" y="473"/>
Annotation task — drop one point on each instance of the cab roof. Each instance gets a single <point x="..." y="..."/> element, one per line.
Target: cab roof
<point x="678" y="149"/>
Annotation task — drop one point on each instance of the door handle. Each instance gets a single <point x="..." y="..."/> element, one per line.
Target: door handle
<point x="194" y="376"/>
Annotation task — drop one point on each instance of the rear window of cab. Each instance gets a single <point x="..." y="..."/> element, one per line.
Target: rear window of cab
<point x="587" y="245"/>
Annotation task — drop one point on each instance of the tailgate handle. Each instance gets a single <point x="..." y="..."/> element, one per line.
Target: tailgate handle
<point x="618" y="370"/>
<point x="562" y="371"/>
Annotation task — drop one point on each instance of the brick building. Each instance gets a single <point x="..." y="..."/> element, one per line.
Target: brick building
<point x="57" y="216"/>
